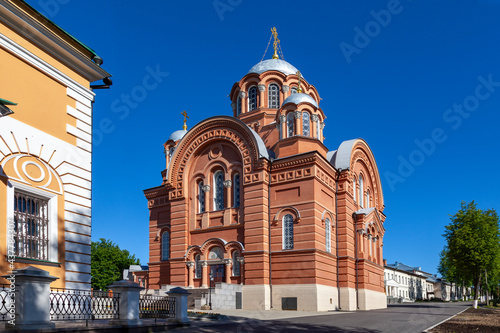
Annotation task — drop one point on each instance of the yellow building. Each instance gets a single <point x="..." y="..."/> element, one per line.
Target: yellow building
<point x="45" y="146"/>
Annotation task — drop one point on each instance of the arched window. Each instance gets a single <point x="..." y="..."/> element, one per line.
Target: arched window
<point x="252" y="98"/>
<point x="354" y="189"/>
<point x="238" y="106"/>
<point x="294" y="90"/>
<point x="197" y="266"/>
<point x="367" y="198"/>
<point x="361" y="191"/>
<point x="236" y="263"/>
<point x="290" y="120"/>
<point x="218" y="190"/>
<point x="288" y="231"/>
<point x="236" y="189"/>
<point x="306" y="124"/>
<point x="165" y="246"/>
<point x="328" y="235"/>
<point x="274" y="96"/>
<point x="216" y="253"/>
<point x="201" y="198"/>
<point x="318" y="129"/>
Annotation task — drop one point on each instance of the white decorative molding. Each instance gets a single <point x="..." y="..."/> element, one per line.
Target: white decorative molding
<point x="81" y="92"/>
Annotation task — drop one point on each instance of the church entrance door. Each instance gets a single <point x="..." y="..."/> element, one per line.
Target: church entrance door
<point x="217" y="273"/>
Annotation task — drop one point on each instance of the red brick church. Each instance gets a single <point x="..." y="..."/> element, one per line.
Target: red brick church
<point x="257" y="199"/>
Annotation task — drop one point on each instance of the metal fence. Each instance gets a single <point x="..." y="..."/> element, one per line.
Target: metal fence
<point x="6" y="299"/>
<point x="156" y="306"/>
<point x="73" y="304"/>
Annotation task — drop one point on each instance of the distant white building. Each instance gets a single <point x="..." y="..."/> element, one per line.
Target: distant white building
<point x="405" y="283"/>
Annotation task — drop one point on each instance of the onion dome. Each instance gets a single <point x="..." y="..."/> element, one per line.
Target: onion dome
<point x="177" y="135"/>
<point x="273" y="65"/>
<point x="299" y="98"/>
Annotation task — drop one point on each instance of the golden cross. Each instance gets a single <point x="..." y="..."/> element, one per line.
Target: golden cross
<point x="275" y="44"/>
<point x="299" y="89"/>
<point x="184" y="113"/>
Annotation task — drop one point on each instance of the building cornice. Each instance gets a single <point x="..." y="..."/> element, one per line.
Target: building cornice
<point x="51" y="41"/>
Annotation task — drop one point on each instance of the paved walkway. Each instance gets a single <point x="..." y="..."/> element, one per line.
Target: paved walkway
<point x="409" y="317"/>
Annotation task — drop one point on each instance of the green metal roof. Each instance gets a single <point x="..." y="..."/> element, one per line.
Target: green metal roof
<point x="61" y="29"/>
<point x="6" y="102"/>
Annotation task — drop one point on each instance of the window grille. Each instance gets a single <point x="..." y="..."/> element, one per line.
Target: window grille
<point x="236" y="263"/>
<point x="354" y="189"/>
<point x="274" y="96"/>
<point x="288" y="231"/>
<point x="165" y="246"/>
<point x="197" y="267"/>
<point x="238" y="106"/>
<point x="31" y="224"/>
<point x="361" y="191"/>
<point x="306" y="124"/>
<point x="252" y="98"/>
<point x="219" y="190"/>
<point x="236" y="190"/>
<point x="328" y="235"/>
<point x="201" y="198"/>
<point x="317" y="128"/>
<point x="290" y="119"/>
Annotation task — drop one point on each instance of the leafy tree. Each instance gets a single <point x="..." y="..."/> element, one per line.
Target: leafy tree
<point x="472" y="248"/>
<point x="108" y="262"/>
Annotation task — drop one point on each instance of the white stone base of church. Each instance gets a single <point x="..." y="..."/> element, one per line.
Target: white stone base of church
<point x="310" y="297"/>
<point x="370" y="300"/>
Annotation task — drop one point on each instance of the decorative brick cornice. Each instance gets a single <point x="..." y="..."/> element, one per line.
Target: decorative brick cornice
<point x="212" y="129"/>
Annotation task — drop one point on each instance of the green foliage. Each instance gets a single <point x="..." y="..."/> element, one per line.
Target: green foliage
<point x="108" y="262"/>
<point x="473" y="246"/>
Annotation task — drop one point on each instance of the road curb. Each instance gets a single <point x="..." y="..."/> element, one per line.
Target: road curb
<point x="427" y="330"/>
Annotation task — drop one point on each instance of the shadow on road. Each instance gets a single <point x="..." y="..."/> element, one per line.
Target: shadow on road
<point x="275" y="327"/>
<point x="412" y="305"/>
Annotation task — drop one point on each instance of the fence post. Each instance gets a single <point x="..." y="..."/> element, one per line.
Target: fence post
<point x="181" y="304"/>
<point x="32" y="298"/>
<point x="129" y="303"/>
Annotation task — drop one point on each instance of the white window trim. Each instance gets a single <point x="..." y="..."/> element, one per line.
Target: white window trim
<point x="12" y="186"/>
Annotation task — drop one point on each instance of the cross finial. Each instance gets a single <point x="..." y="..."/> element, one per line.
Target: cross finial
<point x="299" y="89"/>
<point x="275" y="44"/>
<point x="184" y="113"/>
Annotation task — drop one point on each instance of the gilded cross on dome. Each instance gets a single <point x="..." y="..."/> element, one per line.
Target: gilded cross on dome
<point x="184" y="113"/>
<point x="275" y="44"/>
<point x="299" y="89"/>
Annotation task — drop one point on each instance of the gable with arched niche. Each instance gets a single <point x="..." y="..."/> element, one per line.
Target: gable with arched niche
<point x="371" y="244"/>
<point x="216" y="184"/>
<point x="212" y="131"/>
<point x="356" y="156"/>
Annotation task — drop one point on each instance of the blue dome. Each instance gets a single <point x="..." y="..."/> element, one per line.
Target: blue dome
<point x="299" y="98"/>
<point x="177" y="135"/>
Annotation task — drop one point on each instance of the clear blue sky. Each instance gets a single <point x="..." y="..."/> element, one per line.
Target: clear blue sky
<point x="403" y="83"/>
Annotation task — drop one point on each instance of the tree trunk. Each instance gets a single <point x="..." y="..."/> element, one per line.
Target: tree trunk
<point x="486" y="285"/>
<point x="477" y="281"/>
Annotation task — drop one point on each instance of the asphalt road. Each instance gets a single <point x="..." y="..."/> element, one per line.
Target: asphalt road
<point x="410" y="317"/>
